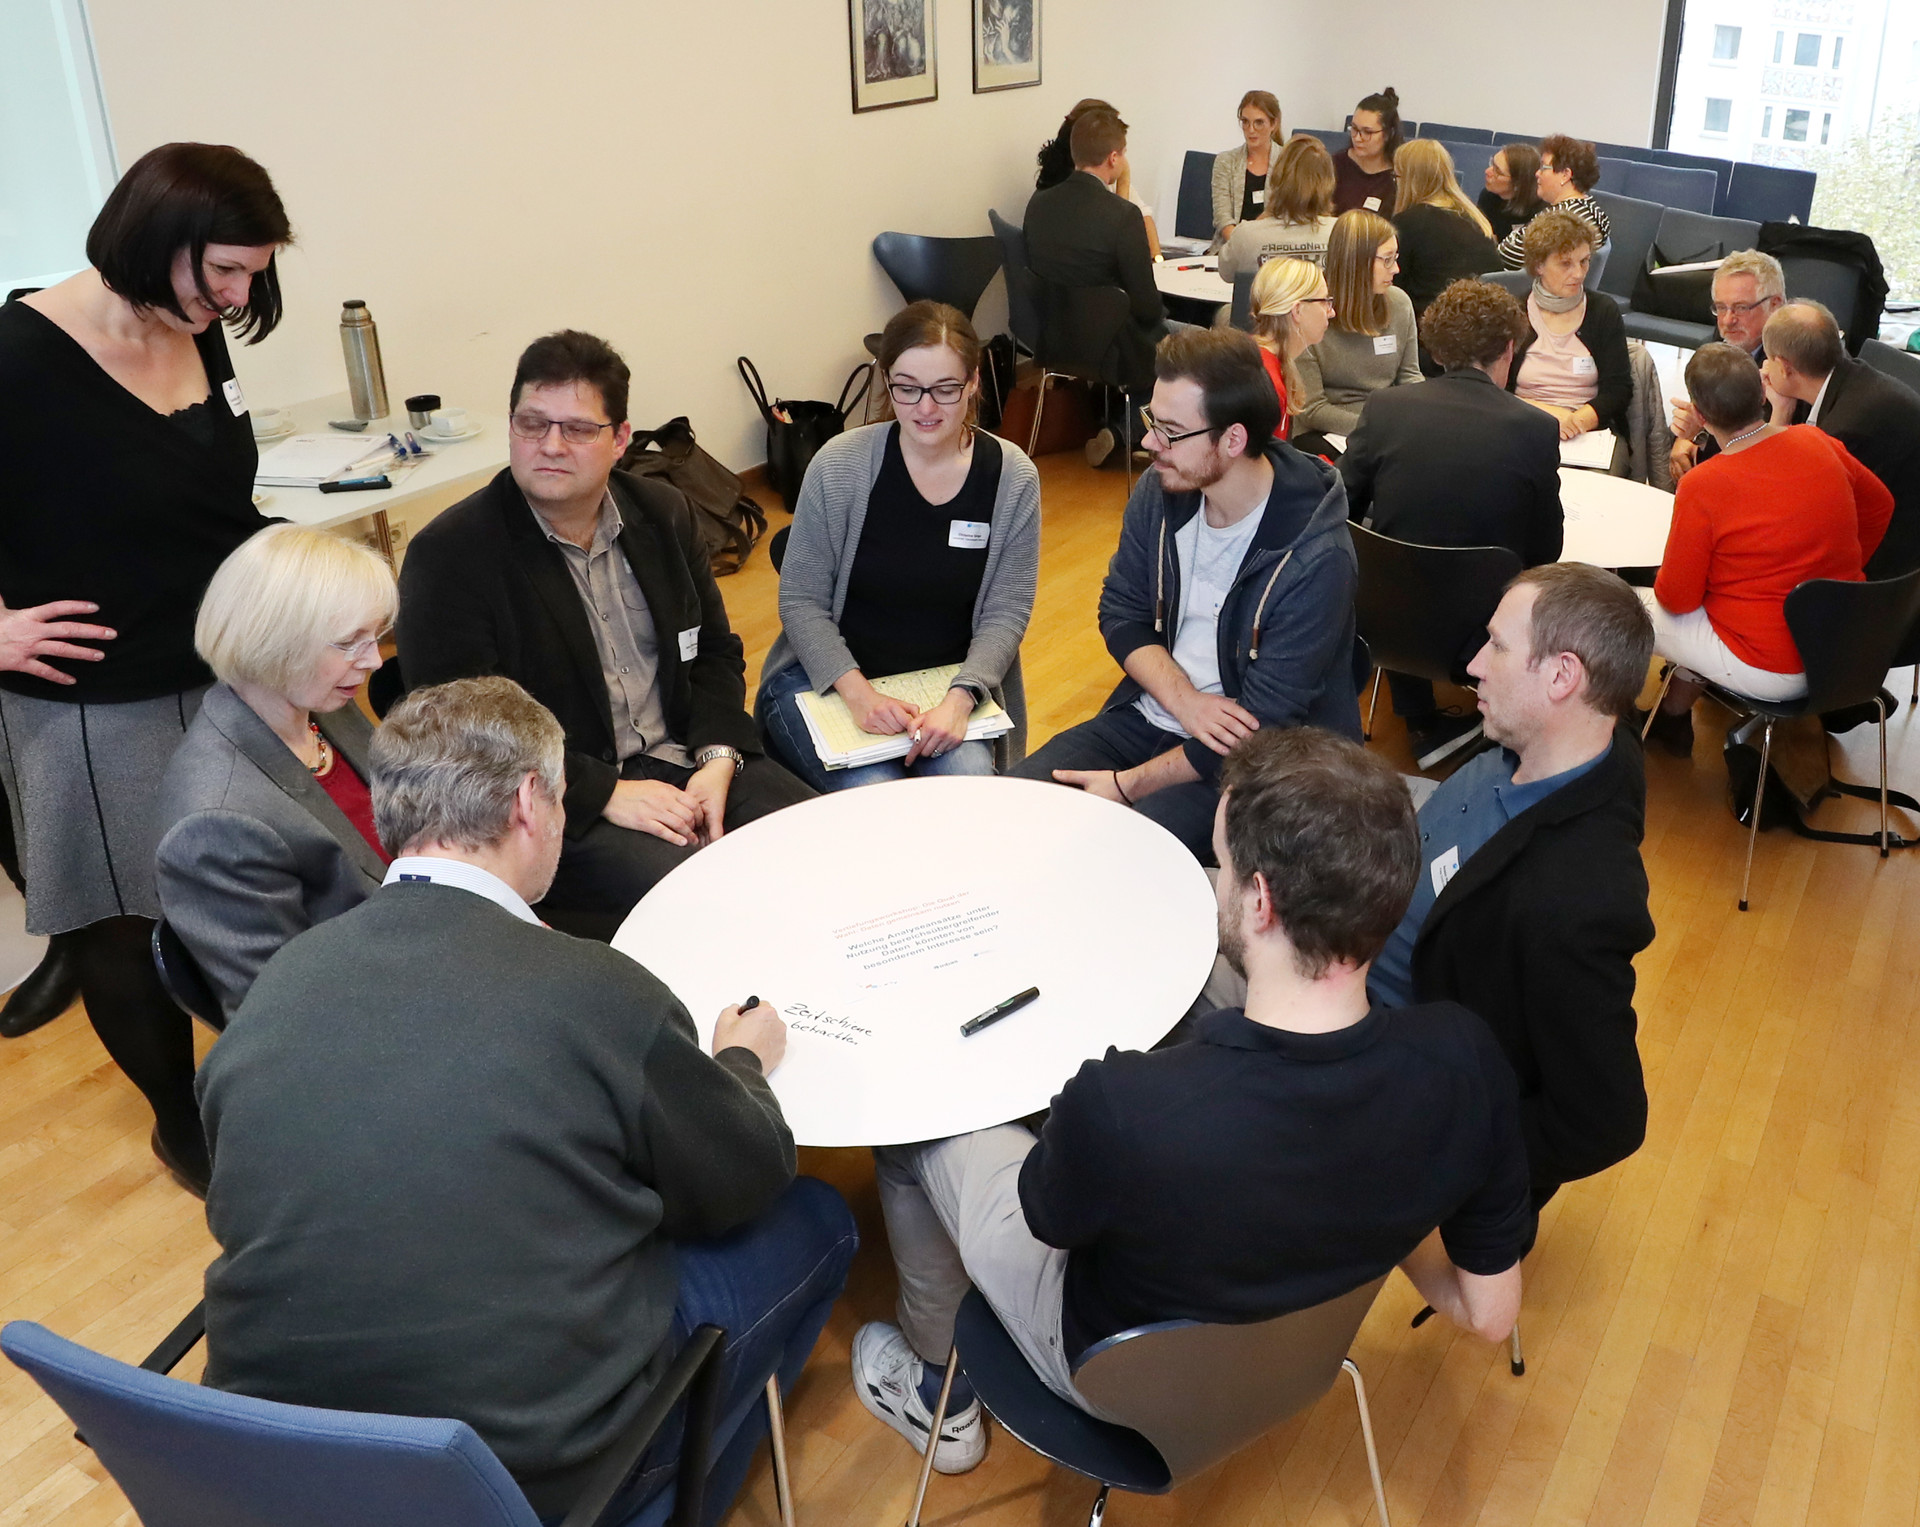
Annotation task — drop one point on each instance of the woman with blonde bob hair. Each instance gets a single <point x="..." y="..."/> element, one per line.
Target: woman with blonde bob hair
<point x="1373" y="339"/>
<point x="1298" y="219"/>
<point x="1290" y="312"/>
<point x="1444" y="237"/>
<point x="267" y="823"/>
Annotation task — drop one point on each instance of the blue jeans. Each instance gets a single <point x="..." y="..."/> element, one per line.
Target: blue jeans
<point x="789" y="741"/>
<point x="770" y="1285"/>
<point x="1122" y="738"/>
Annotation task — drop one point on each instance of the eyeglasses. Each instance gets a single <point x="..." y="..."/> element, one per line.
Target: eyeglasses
<point x="1388" y="259"/>
<point x="355" y="650"/>
<point x="1355" y="130"/>
<point x="573" y="431"/>
<point x="1737" y="309"/>
<point x="1155" y="427"/>
<point x="1327" y="300"/>
<point x="910" y="393"/>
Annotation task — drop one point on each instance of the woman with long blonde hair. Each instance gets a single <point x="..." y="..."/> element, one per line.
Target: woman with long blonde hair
<point x="1444" y="237"/>
<point x="1371" y="342"/>
<point x="1290" y="312"/>
<point x="1298" y="219"/>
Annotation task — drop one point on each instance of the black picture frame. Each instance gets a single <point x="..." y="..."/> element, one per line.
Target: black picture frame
<point x="893" y="53"/>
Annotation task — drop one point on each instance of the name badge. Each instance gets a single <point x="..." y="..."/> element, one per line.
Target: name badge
<point x="1260" y="197"/>
<point x="1372" y="204"/>
<point x="1583" y="365"/>
<point x="1444" y="868"/>
<point x="231" y="387"/>
<point x="689" y="644"/>
<point x="967" y="535"/>
<point x="1385" y="344"/>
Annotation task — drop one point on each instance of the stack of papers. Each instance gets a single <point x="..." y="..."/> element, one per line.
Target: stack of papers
<point x="306" y="461"/>
<point x="842" y="745"/>
<point x="1593" y="450"/>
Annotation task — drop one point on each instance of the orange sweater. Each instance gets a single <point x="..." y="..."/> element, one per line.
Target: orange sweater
<point x="1750" y="527"/>
<point x="1278" y="374"/>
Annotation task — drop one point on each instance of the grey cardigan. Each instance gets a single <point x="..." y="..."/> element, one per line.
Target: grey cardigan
<point x="253" y="849"/>
<point x="1230" y="184"/>
<point x="1339" y="374"/>
<point x="819" y="566"/>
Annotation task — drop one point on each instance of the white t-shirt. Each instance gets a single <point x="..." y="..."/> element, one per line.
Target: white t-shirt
<point x="1209" y="562"/>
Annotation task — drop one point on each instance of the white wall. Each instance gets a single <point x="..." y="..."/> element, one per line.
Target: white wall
<point x="688" y="181"/>
<point x="1476" y="65"/>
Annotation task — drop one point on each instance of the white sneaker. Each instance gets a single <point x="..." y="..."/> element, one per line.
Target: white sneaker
<point x="886" y="1376"/>
<point x="1100" y="447"/>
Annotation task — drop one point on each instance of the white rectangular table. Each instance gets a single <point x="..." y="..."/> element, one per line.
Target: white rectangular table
<point x="440" y="481"/>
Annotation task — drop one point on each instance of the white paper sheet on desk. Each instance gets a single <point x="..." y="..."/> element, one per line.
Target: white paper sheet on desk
<point x="305" y="461"/>
<point x="1593" y="450"/>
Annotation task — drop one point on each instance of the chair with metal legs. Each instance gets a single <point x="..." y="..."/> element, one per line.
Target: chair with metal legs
<point x="1185" y="1395"/>
<point x="1516" y="1358"/>
<point x="1849" y="635"/>
<point x="954" y="271"/>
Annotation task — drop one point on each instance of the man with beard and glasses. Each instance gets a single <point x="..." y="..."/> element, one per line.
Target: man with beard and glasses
<point x="1297" y="1148"/>
<point x="1229" y="601"/>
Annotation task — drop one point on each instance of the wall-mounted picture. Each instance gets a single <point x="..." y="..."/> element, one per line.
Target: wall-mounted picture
<point x="893" y="62"/>
<point x="1006" y="44"/>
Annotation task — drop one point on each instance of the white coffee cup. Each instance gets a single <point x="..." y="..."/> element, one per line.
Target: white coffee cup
<point x="450" y="421"/>
<point x="269" y="421"/>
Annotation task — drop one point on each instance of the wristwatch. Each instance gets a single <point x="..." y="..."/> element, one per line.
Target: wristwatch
<point x="978" y="691"/>
<point x="720" y="750"/>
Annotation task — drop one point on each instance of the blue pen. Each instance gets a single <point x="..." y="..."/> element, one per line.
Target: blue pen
<point x="414" y="445"/>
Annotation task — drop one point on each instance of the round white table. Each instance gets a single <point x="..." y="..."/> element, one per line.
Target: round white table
<point x="1613" y="521"/>
<point x="878" y="920"/>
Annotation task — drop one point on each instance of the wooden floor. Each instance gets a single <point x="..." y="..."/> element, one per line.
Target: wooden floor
<point x="1725" y="1329"/>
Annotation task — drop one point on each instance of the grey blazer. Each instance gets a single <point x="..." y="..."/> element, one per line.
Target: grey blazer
<point x="252" y="849"/>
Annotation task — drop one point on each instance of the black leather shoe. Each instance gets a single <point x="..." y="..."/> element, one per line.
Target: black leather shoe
<point x="193" y="1179"/>
<point x="47" y="992"/>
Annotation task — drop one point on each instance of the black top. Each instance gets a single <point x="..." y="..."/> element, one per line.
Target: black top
<point x="1457" y="462"/>
<point x="451" y="1152"/>
<point x="111" y="501"/>
<point x="1504" y="221"/>
<point x="911" y="590"/>
<point x="1080" y="234"/>
<point x="1437" y="248"/>
<point x="1255" y="1171"/>
<point x="1537" y="934"/>
<point x="1605" y="336"/>
<point x="1354" y="187"/>
<point x="1878" y="420"/>
<point x="1253" y="200"/>
<point x="484" y="591"/>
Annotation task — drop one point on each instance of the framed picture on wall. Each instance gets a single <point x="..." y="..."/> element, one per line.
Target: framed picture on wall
<point x="1006" y="44"/>
<point x="893" y="63"/>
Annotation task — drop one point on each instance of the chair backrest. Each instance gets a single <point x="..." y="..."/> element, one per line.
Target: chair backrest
<point x="1423" y="610"/>
<point x="1597" y="268"/>
<point x="190" y="1456"/>
<point x="1770" y="193"/>
<point x="1240" y="315"/>
<point x="1671" y="186"/>
<point x="1684" y="237"/>
<point x="182" y="978"/>
<point x="1200" y="1393"/>
<point x="1501" y="139"/>
<point x="1193" y="211"/>
<point x="1614" y="173"/>
<point x="1720" y="169"/>
<point x="1470" y="161"/>
<point x="1078" y="330"/>
<point x="1023" y="287"/>
<point x="1849" y="634"/>
<point x="1516" y="281"/>
<point x="1835" y="283"/>
<point x="1335" y="138"/>
<point x="1634" y="224"/>
<point x="1891" y="360"/>
<point x="385" y="685"/>
<point x="953" y="271"/>
<point x="1454" y="134"/>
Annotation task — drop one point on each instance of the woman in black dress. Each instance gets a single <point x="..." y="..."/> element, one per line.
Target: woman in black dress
<point x="132" y="458"/>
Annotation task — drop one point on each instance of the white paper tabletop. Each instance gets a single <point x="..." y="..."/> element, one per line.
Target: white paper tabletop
<point x="879" y="919"/>
<point x="1613" y="521"/>
<point x="1201" y="283"/>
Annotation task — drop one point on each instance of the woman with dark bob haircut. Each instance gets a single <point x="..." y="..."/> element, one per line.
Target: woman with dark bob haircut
<point x="132" y="458"/>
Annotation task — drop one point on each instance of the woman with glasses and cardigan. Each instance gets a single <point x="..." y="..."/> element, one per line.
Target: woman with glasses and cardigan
<point x="915" y="544"/>
<point x="265" y="815"/>
<point x="1371" y="342"/>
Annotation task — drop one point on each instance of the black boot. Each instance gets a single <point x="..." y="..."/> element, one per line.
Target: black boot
<point x="48" y="992"/>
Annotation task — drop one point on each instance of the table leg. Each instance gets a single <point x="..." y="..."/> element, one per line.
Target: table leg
<point x="383" y="538"/>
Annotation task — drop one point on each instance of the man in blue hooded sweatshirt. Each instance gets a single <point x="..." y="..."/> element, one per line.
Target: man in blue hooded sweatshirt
<point x="1229" y="601"/>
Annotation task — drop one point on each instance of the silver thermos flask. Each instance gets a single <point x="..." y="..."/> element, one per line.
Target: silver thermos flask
<point x="360" y="341"/>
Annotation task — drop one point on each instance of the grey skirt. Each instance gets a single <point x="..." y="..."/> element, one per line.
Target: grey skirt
<point x="84" y="785"/>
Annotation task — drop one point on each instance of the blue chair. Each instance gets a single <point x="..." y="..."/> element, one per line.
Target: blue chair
<point x="182" y="978"/>
<point x="1838" y="286"/>
<point x="1770" y="193"/>
<point x="1670" y="185"/>
<point x="1193" y="212"/>
<point x="1684" y="238"/>
<point x="190" y="1456"/>
<point x="1187" y="1394"/>
<point x="1500" y="140"/>
<point x="1334" y="138"/>
<point x="1452" y="134"/>
<point x="1023" y="288"/>
<point x="1240" y="315"/>
<point x="1470" y="161"/>
<point x="1614" y="172"/>
<point x="1902" y="365"/>
<point x="1722" y="169"/>
<point x="1635" y="224"/>
<point x="1517" y="282"/>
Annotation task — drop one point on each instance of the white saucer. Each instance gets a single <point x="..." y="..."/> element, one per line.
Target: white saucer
<point x="261" y="500"/>
<point x="430" y="438"/>
<point x="278" y="434"/>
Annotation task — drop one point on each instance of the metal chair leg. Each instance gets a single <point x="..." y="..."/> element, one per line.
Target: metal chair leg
<point x="777" y="1435"/>
<point x="933" y="1434"/>
<point x="1039" y="407"/>
<point x="1366" y="1435"/>
<point x="1366" y="732"/>
<point x="1516" y="1359"/>
<point x="1759" y="793"/>
<point x="1099" y="1513"/>
<point x="1666" y="683"/>
<point x="1880" y="708"/>
<point x="1916" y="685"/>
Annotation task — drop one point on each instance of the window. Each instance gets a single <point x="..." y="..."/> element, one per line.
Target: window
<point x="1719" y="114"/>
<point x="1766" y="123"/>
<point x="1779" y="45"/>
<point x="1826" y="127"/>
<point x="1806" y="50"/>
<point x="1836" y="51"/>
<point x="56" y="159"/>
<point x="1794" y="128"/>
<point x="1726" y="42"/>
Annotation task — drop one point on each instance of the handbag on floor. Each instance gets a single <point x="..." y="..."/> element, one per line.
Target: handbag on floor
<point x="798" y="427"/>
<point x="728" y="521"/>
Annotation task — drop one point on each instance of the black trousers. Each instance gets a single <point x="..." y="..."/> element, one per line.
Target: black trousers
<point x="605" y="870"/>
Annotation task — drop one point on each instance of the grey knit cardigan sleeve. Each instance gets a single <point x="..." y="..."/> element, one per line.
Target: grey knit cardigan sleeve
<point x="826" y="534"/>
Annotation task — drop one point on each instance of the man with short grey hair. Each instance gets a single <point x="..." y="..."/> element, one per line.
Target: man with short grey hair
<point x="465" y="1165"/>
<point x="1747" y="289"/>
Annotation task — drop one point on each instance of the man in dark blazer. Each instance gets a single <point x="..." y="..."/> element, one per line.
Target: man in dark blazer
<point x="591" y="589"/>
<point x="1532" y="901"/>
<point x="1458" y="462"/>
<point x="1082" y="233"/>
<point x="1876" y="418"/>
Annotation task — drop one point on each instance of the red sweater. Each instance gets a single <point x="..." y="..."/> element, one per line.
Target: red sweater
<point x="1750" y="527"/>
<point x="1278" y="375"/>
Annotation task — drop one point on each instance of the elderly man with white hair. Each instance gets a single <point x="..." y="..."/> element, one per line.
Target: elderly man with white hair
<point x="1747" y="290"/>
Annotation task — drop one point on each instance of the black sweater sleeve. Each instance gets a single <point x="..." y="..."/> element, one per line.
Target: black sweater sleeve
<point x="1604" y="334"/>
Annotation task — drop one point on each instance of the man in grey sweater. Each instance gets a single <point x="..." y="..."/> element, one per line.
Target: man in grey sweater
<point x="464" y="1164"/>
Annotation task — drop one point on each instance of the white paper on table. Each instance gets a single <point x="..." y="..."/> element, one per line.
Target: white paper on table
<point x="1593" y="450"/>
<point x="304" y="461"/>
<point x="1338" y="442"/>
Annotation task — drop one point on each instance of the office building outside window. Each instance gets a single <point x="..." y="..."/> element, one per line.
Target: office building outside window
<point x="1719" y="114"/>
<point x="1726" y="42"/>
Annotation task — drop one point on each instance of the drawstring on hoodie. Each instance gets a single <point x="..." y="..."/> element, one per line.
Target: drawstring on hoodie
<point x="1160" y="581"/>
<point x="1260" y="610"/>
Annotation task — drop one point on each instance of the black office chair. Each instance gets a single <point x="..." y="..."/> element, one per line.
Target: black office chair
<point x="953" y="271"/>
<point x="777" y="547"/>
<point x="1023" y="287"/>
<point x="1423" y="610"/>
<point x="385" y="687"/>
<point x="1849" y="635"/>
<point x="182" y="978"/>
<point x="1240" y="315"/>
